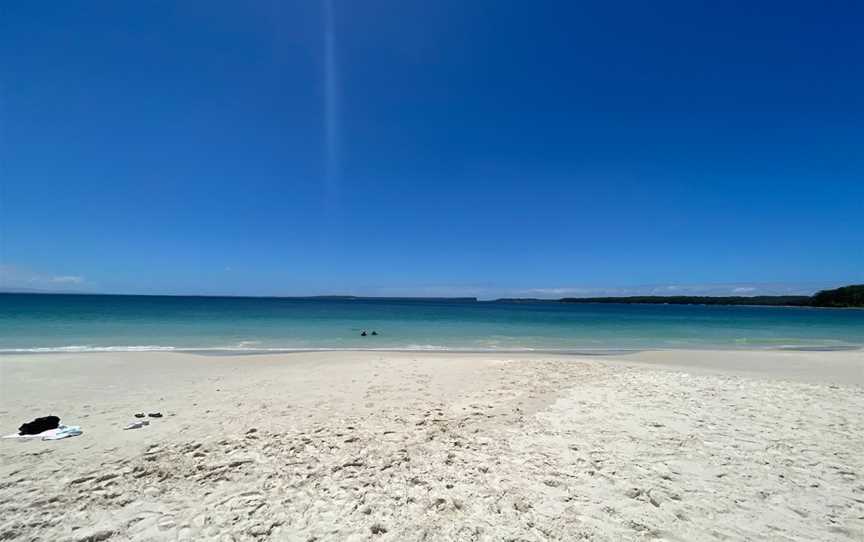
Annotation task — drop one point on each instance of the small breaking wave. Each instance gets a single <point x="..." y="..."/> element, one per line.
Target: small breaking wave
<point x="247" y="347"/>
<point x="243" y="346"/>
<point x="88" y="348"/>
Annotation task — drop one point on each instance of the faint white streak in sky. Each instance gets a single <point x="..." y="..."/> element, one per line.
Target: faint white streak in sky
<point x="12" y="276"/>
<point x="331" y="109"/>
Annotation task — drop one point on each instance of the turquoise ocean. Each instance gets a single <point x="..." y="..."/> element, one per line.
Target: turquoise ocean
<point x="63" y="323"/>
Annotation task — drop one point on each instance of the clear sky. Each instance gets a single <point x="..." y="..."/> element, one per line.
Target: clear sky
<point x="431" y="147"/>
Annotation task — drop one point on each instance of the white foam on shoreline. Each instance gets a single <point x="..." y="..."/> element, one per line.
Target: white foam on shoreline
<point x="88" y="348"/>
<point x="410" y="348"/>
<point x="156" y="348"/>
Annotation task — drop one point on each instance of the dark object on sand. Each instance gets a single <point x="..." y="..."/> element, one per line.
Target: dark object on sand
<point x="139" y="415"/>
<point x="38" y="425"/>
<point x="374" y="333"/>
<point x="155" y="414"/>
<point x="363" y="334"/>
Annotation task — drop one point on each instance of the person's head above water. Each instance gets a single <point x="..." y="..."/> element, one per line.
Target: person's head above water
<point x="374" y="332"/>
<point x="363" y="333"/>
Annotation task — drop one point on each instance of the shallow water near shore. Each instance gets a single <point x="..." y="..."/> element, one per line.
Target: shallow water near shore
<point x="73" y="323"/>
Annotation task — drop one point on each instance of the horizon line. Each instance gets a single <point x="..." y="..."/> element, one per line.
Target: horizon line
<point x="476" y="299"/>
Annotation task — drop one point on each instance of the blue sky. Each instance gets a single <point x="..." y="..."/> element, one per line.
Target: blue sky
<point x="431" y="148"/>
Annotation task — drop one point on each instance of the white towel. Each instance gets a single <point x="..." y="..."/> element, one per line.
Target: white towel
<point x="61" y="432"/>
<point x="47" y="433"/>
<point x="64" y="432"/>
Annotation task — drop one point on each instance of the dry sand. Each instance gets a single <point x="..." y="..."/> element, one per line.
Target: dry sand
<point x="409" y="446"/>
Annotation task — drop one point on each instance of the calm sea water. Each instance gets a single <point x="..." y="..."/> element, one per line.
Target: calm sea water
<point x="88" y="322"/>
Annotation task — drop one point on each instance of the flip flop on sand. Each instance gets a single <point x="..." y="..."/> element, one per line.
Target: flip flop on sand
<point x="155" y="414"/>
<point x="137" y="425"/>
<point x="139" y="415"/>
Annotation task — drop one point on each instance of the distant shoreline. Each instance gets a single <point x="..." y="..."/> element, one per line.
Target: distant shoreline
<point x="846" y="297"/>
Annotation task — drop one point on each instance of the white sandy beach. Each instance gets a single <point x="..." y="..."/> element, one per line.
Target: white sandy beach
<point x="684" y="445"/>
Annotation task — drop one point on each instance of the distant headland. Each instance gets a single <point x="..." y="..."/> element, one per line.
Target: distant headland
<point x="847" y="296"/>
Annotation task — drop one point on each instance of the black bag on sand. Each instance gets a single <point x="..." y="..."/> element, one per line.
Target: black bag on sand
<point x="38" y="425"/>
